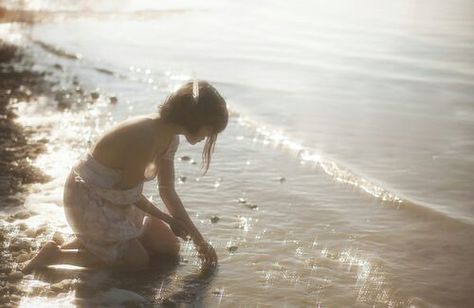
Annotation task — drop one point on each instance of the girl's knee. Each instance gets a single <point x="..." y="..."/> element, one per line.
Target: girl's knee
<point x="170" y="245"/>
<point x="159" y="239"/>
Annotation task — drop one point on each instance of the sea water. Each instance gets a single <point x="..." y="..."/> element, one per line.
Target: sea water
<point x="351" y="132"/>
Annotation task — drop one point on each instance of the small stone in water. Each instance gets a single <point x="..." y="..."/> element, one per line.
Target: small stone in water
<point x="95" y="95"/>
<point x="242" y="200"/>
<point x="15" y="276"/>
<point x="217" y="292"/>
<point x="214" y="219"/>
<point x="62" y="286"/>
<point x="251" y="205"/>
<point x="185" y="158"/>
<point x="232" y="248"/>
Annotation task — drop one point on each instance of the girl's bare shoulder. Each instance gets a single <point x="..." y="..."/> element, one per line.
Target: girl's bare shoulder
<point x="134" y="134"/>
<point x="137" y="123"/>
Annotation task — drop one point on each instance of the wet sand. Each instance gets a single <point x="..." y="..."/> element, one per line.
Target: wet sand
<point x="20" y="145"/>
<point x="17" y="149"/>
<point x="18" y="83"/>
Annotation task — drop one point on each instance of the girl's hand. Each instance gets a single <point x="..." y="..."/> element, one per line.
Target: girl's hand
<point x="179" y="228"/>
<point x="207" y="254"/>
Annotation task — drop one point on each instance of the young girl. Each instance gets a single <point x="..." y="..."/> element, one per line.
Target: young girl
<point x="113" y="223"/>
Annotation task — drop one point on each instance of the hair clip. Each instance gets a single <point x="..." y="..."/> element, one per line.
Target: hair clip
<point x="195" y="90"/>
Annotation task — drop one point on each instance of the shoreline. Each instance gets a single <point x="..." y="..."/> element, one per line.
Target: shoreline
<point x="20" y="145"/>
<point x="19" y="82"/>
<point x="17" y="149"/>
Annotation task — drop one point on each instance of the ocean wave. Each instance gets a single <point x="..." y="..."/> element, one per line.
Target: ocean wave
<point x="345" y="175"/>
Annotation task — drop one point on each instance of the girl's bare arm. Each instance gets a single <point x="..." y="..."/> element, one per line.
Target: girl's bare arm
<point x="178" y="227"/>
<point x="172" y="201"/>
<point x="146" y="206"/>
<point x="175" y="207"/>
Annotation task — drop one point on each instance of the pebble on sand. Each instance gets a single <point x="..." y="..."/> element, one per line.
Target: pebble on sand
<point x="58" y="238"/>
<point x="22" y="215"/>
<point x="30" y="233"/>
<point x="40" y="230"/>
<point x="19" y="244"/>
<point x="282" y="179"/>
<point x="182" y="179"/>
<point x="113" y="99"/>
<point x="214" y="219"/>
<point x="15" y="276"/>
<point x="62" y="286"/>
<point x="5" y="268"/>
<point x="242" y="200"/>
<point x="23" y="257"/>
<point x="13" y="298"/>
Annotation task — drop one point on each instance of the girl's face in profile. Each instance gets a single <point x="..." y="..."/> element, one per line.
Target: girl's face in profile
<point x="199" y="136"/>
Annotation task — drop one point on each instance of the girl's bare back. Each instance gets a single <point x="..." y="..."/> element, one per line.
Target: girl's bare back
<point x="131" y="146"/>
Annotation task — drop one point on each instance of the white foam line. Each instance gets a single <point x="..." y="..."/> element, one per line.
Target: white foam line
<point x="330" y="167"/>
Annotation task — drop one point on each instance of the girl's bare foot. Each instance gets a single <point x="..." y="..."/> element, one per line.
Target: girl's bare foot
<point x="46" y="256"/>
<point x="73" y="243"/>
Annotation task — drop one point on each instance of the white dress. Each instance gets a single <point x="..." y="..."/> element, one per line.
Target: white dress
<point x="104" y="219"/>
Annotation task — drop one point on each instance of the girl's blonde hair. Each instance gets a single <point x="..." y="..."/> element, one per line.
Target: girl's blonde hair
<point x="193" y="112"/>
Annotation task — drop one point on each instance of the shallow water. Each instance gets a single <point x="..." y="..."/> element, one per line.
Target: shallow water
<point x="352" y="132"/>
